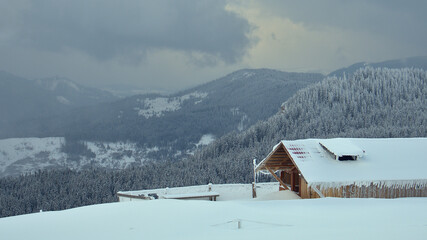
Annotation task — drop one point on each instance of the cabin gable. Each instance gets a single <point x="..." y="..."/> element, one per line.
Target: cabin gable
<point x="281" y="162"/>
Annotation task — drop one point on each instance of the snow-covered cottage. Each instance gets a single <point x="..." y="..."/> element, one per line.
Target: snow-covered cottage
<point x="350" y="167"/>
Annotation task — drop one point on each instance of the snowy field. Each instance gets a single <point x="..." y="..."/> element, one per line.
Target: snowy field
<point x="226" y="192"/>
<point x="328" y="218"/>
<point x="25" y="155"/>
<point x="156" y="107"/>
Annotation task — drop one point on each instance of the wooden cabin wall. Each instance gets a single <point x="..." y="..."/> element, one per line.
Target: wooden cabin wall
<point x="372" y="191"/>
<point x="304" y="190"/>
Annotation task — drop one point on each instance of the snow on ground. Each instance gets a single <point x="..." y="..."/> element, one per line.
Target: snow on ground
<point x="327" y="218"/>
<point x="279" y="195"/>
<point x="156" y="107"/>
<point x="244" y="118"/>
<point x="227" y="192"/>
<point x="117" y="155"/>
<point x="205" y="140"/>
<point x="17" y="154"/>
<point x="241" y="126"/>
<point x="22" y="155"/>
<point x="63" y="100"/>
<point x="242" y="75"/>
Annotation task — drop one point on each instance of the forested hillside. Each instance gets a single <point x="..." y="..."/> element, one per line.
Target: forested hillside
<point x="179" y="121"/>
<point x="73" y="94"/>
<point x="411" y="62"/>
<point x="233" y="102"/>
<point x="370" y="103"/>
<point x="159" y="126"/>
<point x="24" y="101"/>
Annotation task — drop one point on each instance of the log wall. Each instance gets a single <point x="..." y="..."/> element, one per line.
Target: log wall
<point x="305" y="193"/>
<point x="371" y="191"/>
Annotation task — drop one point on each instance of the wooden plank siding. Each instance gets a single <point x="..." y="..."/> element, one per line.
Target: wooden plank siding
<point x="279" y="160"/>
<point x="304" y="191"/>
<point x="371" y="191"/>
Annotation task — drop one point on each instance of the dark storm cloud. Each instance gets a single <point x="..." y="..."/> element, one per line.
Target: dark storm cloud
<point x="403" y="21"/>
<point x="106" y="29"/>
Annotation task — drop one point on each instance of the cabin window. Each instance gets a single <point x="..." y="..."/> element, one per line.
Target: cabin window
<point x="347" y="158"/>
<point x="341" y="150"/>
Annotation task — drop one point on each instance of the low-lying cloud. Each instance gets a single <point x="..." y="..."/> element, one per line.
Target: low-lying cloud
<point x="403" y="21"/>
<point x="105" y="29"/>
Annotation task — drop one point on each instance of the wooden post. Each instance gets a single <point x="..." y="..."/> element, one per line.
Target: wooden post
<point x="254" y="163"/>
<point x="253" y="190"/>
<point x="282" y="176"/>
<point x="277" y="178"/>
<point x="292" y="181"/>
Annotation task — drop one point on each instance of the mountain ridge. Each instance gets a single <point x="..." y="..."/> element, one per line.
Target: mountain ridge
<point x="175" y="124"/>
<point x="410" y="62"/>
<point x="75" y="94"/>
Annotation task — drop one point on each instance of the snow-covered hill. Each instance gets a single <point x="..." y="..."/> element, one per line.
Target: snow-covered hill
<point x="411" y="62"/>
<point x="157" y="107"/>
<point x="177" y="124"/>
<point x="70" y="93"/>
<point x="328" y="218"/>
<point x="24" y="99"/>
<point x="27" y="104"/>
<point x="25" y="155"/>
<point x="165" y="127"/>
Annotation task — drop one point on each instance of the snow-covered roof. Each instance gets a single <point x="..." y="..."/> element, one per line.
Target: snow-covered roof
<point x="341" y="147"/>
<point x="389" y="161"/>
<point x="225" y="191"/>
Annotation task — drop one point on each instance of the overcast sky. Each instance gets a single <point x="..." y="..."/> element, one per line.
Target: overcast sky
<point x="172" y="45"/>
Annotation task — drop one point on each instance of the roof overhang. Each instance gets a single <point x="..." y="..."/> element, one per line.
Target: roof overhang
<point x="277" y="160"/>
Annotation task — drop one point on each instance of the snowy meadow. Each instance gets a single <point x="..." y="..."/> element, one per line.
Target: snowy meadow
<point x="328" y="218"/>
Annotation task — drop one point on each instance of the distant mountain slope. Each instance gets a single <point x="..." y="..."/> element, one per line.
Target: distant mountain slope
<point x="178" y="124"/>
<point x="256" y="91"/>
<point x="73" y="94"/>
<point x="26" y="155"/>
<point x="26" y="100"/>
<point x="412" y="62"/>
